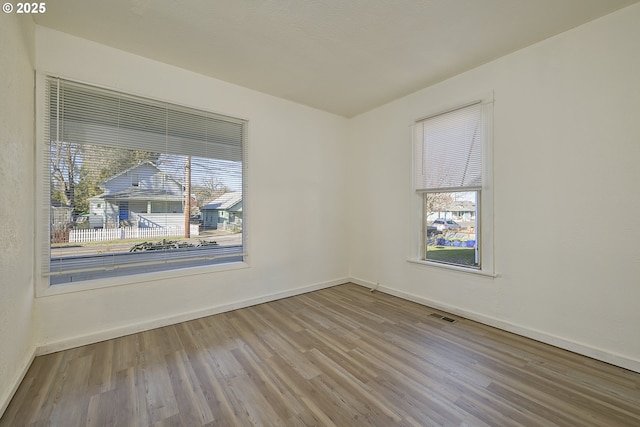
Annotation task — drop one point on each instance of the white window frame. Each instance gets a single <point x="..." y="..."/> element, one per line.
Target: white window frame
<point x="485" y="232"/>
<point x="42" y="215"/>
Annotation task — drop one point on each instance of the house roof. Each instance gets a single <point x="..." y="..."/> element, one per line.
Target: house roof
<point x="225" y="202"/>
<point x="462" y="205"/>
<point x="59" y="204"/>
<point x="143" y="163"/>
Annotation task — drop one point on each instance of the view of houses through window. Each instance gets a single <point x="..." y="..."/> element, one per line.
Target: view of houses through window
<point x="452" y="228"/>
<point x="451" y="158"/>
<point x="152" y="195"/>
<point x="111" y="200"/>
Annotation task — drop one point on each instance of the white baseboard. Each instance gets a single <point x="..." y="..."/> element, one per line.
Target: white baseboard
<point x="7" y="395"/>
<point x="585" y="350"/>
<point x="77" y="341"/>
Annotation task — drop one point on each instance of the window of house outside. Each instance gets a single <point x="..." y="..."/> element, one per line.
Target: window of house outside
<point x="453" y="181"/>
<point x="142" y="174"/>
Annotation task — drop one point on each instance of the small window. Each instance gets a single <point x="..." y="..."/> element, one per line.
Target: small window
<point x="135" y="180"/>
<point x="452" y="179"/>
<point x="448" y="240"/>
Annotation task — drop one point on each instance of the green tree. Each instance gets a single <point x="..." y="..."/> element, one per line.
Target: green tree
<point x="77" y="170"/>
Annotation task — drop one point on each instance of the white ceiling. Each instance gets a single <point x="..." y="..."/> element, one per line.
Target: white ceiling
<point x="342" y="56"/>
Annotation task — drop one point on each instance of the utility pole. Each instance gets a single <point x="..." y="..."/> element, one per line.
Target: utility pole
<point x="187" y="199"/>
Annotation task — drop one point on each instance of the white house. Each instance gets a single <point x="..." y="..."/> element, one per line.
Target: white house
<point x="462" y="210"/>
<point x="142" y="195"/>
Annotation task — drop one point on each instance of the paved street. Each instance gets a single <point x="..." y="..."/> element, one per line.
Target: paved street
<point x="223" y="238"/>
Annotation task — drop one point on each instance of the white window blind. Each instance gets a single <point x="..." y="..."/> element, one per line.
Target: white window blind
<point x="90" y="115"/>
<point x="448" y="151"/>
<point x="125" y="174"/>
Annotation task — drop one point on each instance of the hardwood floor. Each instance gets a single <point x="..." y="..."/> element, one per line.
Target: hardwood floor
<point x="341" y="356"/>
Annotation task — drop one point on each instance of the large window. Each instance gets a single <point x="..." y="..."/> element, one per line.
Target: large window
<point x="133" y="185"/>
<point x="452" y="179"/>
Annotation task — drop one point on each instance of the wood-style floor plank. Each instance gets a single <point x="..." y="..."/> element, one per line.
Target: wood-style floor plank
<point x="341" y="356"/>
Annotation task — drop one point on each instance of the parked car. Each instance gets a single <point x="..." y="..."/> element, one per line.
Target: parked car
<point x="442" y="224"/>
<point x="432" y="231"/>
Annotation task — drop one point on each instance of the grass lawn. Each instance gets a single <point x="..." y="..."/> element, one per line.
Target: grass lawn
<point x="452" y="255"/>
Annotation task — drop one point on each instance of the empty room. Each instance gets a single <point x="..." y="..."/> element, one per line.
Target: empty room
<point x="412" y="212"/>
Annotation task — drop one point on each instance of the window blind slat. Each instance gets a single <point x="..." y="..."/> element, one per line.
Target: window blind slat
<point x="449" y="150"/>
<point x="90" y="115"/>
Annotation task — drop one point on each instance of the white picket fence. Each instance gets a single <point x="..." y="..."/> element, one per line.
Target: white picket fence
<point x="105" y="234"/>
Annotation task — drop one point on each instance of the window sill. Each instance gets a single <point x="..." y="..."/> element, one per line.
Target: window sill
<point x="136" y="279"/>
<point x="456" y="268"/>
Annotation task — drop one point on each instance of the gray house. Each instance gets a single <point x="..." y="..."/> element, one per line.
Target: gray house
<point x="142" y="196"/>
<point x="463" y="210"/>
<point x="223" y="213"/>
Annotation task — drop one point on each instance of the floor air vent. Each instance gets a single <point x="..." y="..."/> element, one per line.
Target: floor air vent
<point x="441" y="317"/>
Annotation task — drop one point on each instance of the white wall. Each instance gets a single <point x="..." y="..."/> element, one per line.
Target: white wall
<point x="567" y="205"/>
<point x="296" y="228"/>
<point x="16" y="201"/>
